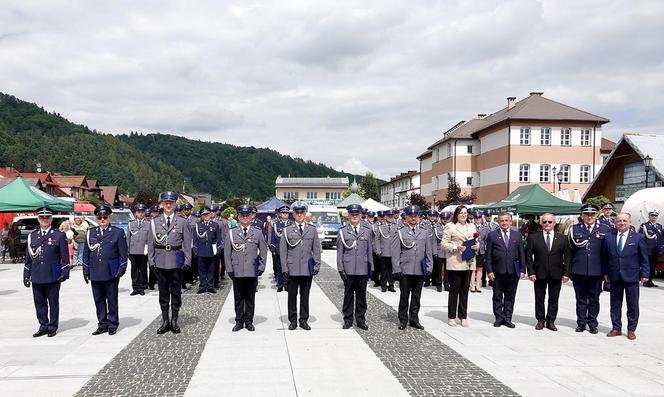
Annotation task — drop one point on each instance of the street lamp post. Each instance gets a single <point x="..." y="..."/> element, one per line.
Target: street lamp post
<point x="559" y="175"/>
<point x="647" y="164"/>
<point x="433" y="205"/>
<point x="553" y="178"/>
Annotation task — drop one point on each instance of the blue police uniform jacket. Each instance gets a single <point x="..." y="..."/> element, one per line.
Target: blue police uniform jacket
<point x="105" y="256"/>
<point x="606" y="221"/>
<point x="47" y="257"/>
<point x="274" y="235"/>
<point x="653" y="236"/>
<point x="207" y="239"/>
<point x="586" y="247"/>
<point x="631" y="264"/>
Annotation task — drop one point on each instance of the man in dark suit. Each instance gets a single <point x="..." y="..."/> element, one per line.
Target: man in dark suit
<point x="505" y="262"/>
<point x="625" y="263"/>
<point x="548" y="256"/>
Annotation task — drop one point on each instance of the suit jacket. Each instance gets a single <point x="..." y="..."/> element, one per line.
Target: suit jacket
<point x="586" y="247"/>
<point x="653" y="236"/>
<point x="240" y="253"/>
<point x="500" y="259"/>
<point x="296" y="250"/>
<point x="274" y="235"/>
<point x="178" y="234"/>
<point x="105" y="256"/>
<point x="545" y="264"/>
<point x="454" y="235"/>
<point x="411" y="252"/>
<point x="385" y="232"/>
<point x="137" y="237"/>
<point x="632" y="263"/>
<point x="355" y="251"/>
<point x="46" y="258"/>
<point x="206" y="238"/>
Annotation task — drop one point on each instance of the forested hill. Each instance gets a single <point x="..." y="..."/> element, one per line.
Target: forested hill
<point x="136" y="162"/>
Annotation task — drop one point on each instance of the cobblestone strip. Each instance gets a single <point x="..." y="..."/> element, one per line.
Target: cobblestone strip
<point x="424" y="365"/>
<point x="161" y="365"/>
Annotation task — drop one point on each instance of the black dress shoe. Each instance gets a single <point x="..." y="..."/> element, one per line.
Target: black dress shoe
<point x="391" y="289"/>
<point x="509" y="324"/>
<point x="540" y="325"/>
<point x="200" y="290"/>
<point x="112" y="331"/>
<point x="346" y="325"/>
<point x="402" y="326"/>
<point x="141" y="292"/>
<point x="484" y="284"/>
<point x="479" y="291"/>
<point x="427" y="283"/>
<point x="292" y="326"/>
<point x="383" y="289"/>
<point x="250" y="327"/>
<point x="305" y="326"/>
<point x="497" y="324"/>
<point x="376" y="285"/>
<point x="551" y="326"/>
<point x="99" y="331"/>
<point x="580" y="328"/>
<point x="416" y="325"/>
<point x="280" y="289"/>
<point x="216" y="285"/>
<point x="39" y="333"/>
<point x="593" y="330"/>
<point x="151" y="287"/>
<point x="439" y="288"/>
<point x="363" y="326"/>
<point x="133" y="293"/>
<point x="447" y="289"/>
<point x="52" y="334"/>
<point x="653" y="284"/>
<point x="212" y="290"/>
<point x="237" y="327"/>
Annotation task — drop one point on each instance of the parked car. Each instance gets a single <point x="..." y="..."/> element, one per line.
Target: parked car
<point x="121" y="218"/>
<point x="28" y="223"/>
<point x="327" y="220"/>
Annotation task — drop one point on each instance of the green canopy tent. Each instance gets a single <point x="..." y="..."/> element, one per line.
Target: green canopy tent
<point x="20" y="196"/>
<point x="533" y="199"/>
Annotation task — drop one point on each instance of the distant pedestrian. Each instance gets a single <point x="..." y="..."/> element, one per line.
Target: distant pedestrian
<point x="80" y="228"/>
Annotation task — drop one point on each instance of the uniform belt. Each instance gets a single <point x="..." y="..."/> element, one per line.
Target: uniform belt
<point x="168" y="247"/>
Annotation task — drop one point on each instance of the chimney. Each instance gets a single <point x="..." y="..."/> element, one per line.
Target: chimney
<point x="481" y="115"/>
<point x="536" y="93"/>
<point x="511" y="100"/>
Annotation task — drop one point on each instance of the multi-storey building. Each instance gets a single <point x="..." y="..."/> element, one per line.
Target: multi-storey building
<point x="312" y="190"/>
<point x="534" y="140"/>
<point x="396" y="192"/>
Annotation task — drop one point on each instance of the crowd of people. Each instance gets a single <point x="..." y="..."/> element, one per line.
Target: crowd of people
<point x="460" y="252"/>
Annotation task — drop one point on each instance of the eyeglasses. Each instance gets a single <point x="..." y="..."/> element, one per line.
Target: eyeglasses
<point x="547" y="222"/>
<point x="100" y="217"/>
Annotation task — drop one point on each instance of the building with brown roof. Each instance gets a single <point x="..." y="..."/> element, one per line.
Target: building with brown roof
<point x="527" y="141"/>
<point x="75" y="186"/>
<point x="109" y="195"/>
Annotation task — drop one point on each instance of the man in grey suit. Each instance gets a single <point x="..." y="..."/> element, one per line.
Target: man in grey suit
<point x="385" y="233"/>
<point x="169" y="253"/>
<point x="355" y="264"/>
<point x="549" y="257"/>
<point x="244" y="254"/>
<point x="299" y="250"/>
<point x="412" y="262"/>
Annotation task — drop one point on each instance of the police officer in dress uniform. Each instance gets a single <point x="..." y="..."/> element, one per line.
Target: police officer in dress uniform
<point x="380" y="218"/>
<point x="220" y="266"/>
<point x="46" y="266"/>
<point x="169" y="252"/>
<point x="653" y="233"/>
<point x="355" y="265"/>
<point x="206" y="245"/>
<point x="137" y="241"/>
<point x="437" y="251"/>
<point x="585" y="241"/>
<point x="412" y="262"/>
<point x="426" y="223"/>
<point x="442" y="253"/>
<point x="605" y="218"/>
<point x="192" y="274"/>
<point x="274" y="241"/>
<point x="386" y="231"/>
<point x="104" y="262"/>
<point x="245" y="254"/>
<point x="300" y="251"/>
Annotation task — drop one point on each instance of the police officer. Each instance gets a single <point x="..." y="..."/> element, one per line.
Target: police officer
<point x="605" y="218"/>
<point x="412" y="261"/>
<point x="355" y="264"/>
<point x="300" y="251"/>
<point x="652" y="231"/>
<point x="188" y="214"/>
<point x="274" y="240"/>
<point x="437" y="251"/>
<point x="376" y="248"/>
<point x="104" y="262"/>
<point x="207" y="240"/>
<point x="585" y="241"/>
<point x="220" y="266"/>
<point x="169" y="252"/>
<point x="386" y="231"/>
<point x="137" y="241"/>
<point x="46" y="266"/>
<point x="245" y="253"/>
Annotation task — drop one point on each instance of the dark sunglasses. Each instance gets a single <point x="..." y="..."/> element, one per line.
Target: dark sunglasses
<point x="100" y="217"/>
<point x="547" y="221"/>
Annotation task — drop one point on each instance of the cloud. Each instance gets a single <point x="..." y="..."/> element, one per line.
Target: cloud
<point x="361" y="84"/>
<point x="355" y="166"/>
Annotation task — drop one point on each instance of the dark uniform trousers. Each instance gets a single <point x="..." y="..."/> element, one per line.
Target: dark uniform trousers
<point x="459" y="283"/>
<point x="355" y="298"/>
<point x="152" y="278"/>
<point x="170" y="282"/>
<point x="652" y="261"/>
<point x="105" y="294"/>
<point x="410" y="286"/>
<point x="303" y="283"/>
<point x="219" y="268"/>
<point x="541" y="285"/>
<point x="278" y="273"/>
<point x="631" y="292"/>
<point x="587" y="290"/>
<point x="446" y="275"/>
<point x="206" y="271"/>
<point x="244" y="292"/>
<point x="139" y="272"/>
<point x="47" y="300"/>
<point x="194" y="266"/>
<point x="504" y="291"/>
<point x="375" y="276"/>
<point x="437" y="271"/>
<point x="386" y="279"/>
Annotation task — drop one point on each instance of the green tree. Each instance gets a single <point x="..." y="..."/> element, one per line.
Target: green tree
<point x="369" y="187"/>
<point x="598" y="200"/>
<point x="420" y="201"/>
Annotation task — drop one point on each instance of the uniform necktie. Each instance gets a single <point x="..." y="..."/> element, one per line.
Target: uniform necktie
<point x="301" y="231"/>
<point x="506" y="238"/>
<point x="102" y="232"/>
<point x="168" y="221"/>
<point x="413" y="229"/>
<point x="245" y="231"/>
<point x="620" y="244"/>
<point x="548" y="241"/>
<point x="355" y="228"/>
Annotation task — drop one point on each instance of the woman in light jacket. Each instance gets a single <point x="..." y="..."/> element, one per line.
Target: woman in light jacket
<point x="456" y="233"/>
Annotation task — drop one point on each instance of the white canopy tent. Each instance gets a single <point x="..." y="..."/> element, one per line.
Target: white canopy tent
<point x="373" y="205"/>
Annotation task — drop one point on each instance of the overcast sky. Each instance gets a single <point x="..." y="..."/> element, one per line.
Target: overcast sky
<point x="358" y="85"/>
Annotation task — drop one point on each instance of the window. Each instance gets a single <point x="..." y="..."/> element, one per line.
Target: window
<point x="524" y="173"/>
<point x="470" y="149"/>
<point x="545" y="136"/>
<point x="545" y="172"/>
<point x="337" y="195"/>
<point x="449" y="150"/>
<point x="585" y="137"/>
<point x="564" y="168"/>
<point x="469" y="181"/>
<point x="584" y="176"/>
<point x="312" y="195"/>
<point x="524" y="136"/>
<point x="566" y="137"/>
<point x="291" y="195"/>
